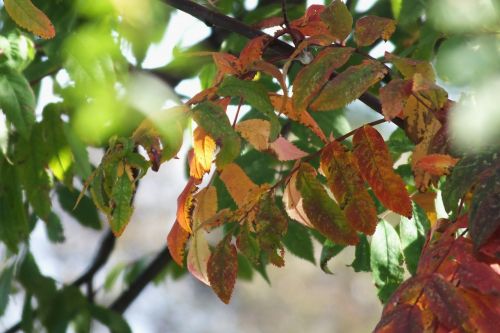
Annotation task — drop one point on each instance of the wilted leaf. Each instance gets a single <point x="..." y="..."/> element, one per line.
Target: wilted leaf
<point x="238" y="184"/>
<point x="329" y="251"/>
<point x="435" y="96"/>
<point x="409" y="67"/>
<point x="255" y="95"/>
<point x="294" y="203"/>
<point x="375" y="165"/>
<point x="214" y="121"/>
<point x="25" y="14"/>
<point x="413" y="234"/>
<point x="285" y="150"/>
<point x="348" y="85"/>
<point x="312" y="77"/>
<point x="223" y="268"/>
<point x="370" y="28"/>
<point x="176" y="242"/>
<point x="437" y="164"/>
<point x="386" y="259"/>
<point x="256" y="132"/>
<point x="394" y="97"/>
<point x="339" y="20"/>
<point x="322" y="211"/>
<point x="348" y="187"/>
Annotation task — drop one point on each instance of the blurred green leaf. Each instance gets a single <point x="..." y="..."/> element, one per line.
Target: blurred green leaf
<point x="114" y="321"/>
<point x="5" y="287"/>
<point x="413" y="234"/>
<point x="298" y="241"/>
<point x="329" y="251"/>
<point x="55" y="230"/>
<point x="361" y="261"/>
<point x="85" y="212"/>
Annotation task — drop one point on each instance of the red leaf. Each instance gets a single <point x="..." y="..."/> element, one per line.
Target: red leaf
<point x="484" y="311"/>
<point x="394" y="97"/>
<point x="176" y="242"/>
<point x="348" y="187"/>
<point x="25" y="14"/>
<point x="370" y="28"/>
<point x="405" y="318"/>
<point x="285" y="150"/>
<point x="222" y="269"/>
<point x="375" y="165"/>
<point x="436" y="164"/>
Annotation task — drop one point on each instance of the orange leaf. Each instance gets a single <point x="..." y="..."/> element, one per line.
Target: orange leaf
<point x="204" y="150"/>
<point x="370" y="28"/>
<point x="237" y="183"/>
<point x="176" y="242"/>
<point x="222" y="269"/>
<point x="252" y="52"/>
<point x="394" y="97"/>
<point x="348" y="187"/>
<point x="375" y="165"/>
<point x="437" y="164"/>
<point x="256" y="132"/>
<point x="25" y="14"/>
<point x="185" y="205"/>
<point x="285" y="150"/>
<point x="312" y="77"/>
<point x="292" y="199"/>
<point x="226" y="63"/>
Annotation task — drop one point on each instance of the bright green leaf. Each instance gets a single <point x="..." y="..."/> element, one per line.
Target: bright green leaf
<point x="413" y="234"/>
<point x="121" y="204"/>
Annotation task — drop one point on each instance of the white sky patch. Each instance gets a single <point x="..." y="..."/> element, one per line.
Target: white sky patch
<point x="364" y="5"/>
<point x="380" y="49"/>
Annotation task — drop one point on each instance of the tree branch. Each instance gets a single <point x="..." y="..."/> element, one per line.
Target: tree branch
<point x="212" y="18"/>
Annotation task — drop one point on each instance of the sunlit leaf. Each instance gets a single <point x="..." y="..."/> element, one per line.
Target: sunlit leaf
<point x="386" y="259"/>
<point x="437" y="164"/>
<point x="223" y="268"/>
<point x="348" y="86"/>
<point x="375" y="165"/>
<point x="185" y="205"/>
<point x="322" y="211"/>
<point x="370" y="28"/>
<point x="176" y="242"/>
<point x="252" y="52"/>
<point x="204" y="150"/>
<point x="294" y="203"/>
<point x="25" y="14"/>
<point x="348" y="187"/>
<point x="413" y="234"/>
<point x="256" y="132"/>
<point x="285" y="150"/>
<point x="238" y="184"/>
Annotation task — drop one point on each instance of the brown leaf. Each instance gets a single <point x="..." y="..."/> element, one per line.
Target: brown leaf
<point x="394" y="97"/>
<point x="376" y="166"/>
<point x="226" y="63"/>
<point x="26" y="15"/>
<point x="348" y="187"/>
<point x="176" y="242"/>
<point x="223" y="268"/>
<point x="370" y="28"/>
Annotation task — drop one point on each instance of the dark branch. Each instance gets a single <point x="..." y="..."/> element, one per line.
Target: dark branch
<point x="152" y="270"/>
<point x="225" y="22"/>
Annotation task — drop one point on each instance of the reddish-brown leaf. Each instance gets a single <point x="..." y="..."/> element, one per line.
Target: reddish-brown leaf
<point x="370" y="28"/>
<point x="226" y="63"/>
<point x="394" y="97"/>
<point x="285" y="150"/>
<point x="484" y="311"/>
<point x="185" y="205"/>
<point x="202" y="95"/>
<point x="376" y="166"/>
<point x="252" y="52"/>
<point x="348" y="187"/>
<point x="222" y="269"/>
<point x="437" y="164"/>
<point x="312" y="77"/>
<point x="238" y="184"/>
<point x="447" y="304"/>
<point x="348" y="85"/>
<point x="26" y="15"/>
<point x="176" y="242"/>
<point x="405" y="318"/>
<point x="408" y="293"/>
<point x="269" y="22"/>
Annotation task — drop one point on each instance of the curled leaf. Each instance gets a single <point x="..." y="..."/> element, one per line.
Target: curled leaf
<point x="223" y="268"/>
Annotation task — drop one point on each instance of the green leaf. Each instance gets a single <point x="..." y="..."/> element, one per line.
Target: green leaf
<point x="43" y="288"/>
<point x="349" y="85"/>
<point x="386" y="259"/>
<point x="255" y="95"/>
<point x="113" y="275"/>
<point x="214" y="121"/>
<point x="114" y="321"/>
<point x="361" y="261"/>
<point x="18" y="51"/>
<point x="245" y="270"/>
<point x="121" y="203"/>
<point x="222" y="269"/>
<point x="55" y="230"/>
<point x="17" y="101"/>
<point x="85" y="213"/>
<point x="65" y="306"/>
<point x="399" y="143"/>
<point x="27" y="315"/>
<point x="5" y="286"/>
<point x="14" y="226"/>
<point x="329" y="251"/>
<point x="339" y="20"/>
<point x="324" y="214"/>
<point x="298" y="241"/>
<point x="413" y="234"/>
<point x="99" y="195"/>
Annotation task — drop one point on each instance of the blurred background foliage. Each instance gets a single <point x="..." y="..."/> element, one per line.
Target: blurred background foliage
<point x="101" y="82"/>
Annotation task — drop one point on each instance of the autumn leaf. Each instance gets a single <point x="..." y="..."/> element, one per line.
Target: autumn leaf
<point x="437" y="164"/>
<point x="256" y="132"/>
<point x="185" y="205"/>
<point x="204" y="150"/>
<point x="339" y="20"/>
<point x="226" y="63"/>
<point x="223" y="268"/>
<point x="409" y="67"/>
<point x="348" y="86"/>
<point x="394" y="97"/>
<point x="348" y="187"/>
<point x="252" y="51"/>
<point x="312" y="77"/>
<point x="238" y="184"/>
<point x="176" y="243"/>
<point x="375" y="164"/>
<point x="285" y="150"/>
<point x="25" y="14"/>
<point x="370" y="28"/>
<point x="322" y="211"/>
<point x="294" y="203"/>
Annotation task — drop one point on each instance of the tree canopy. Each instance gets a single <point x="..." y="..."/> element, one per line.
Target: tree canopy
<point x="274" y="165"/>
